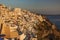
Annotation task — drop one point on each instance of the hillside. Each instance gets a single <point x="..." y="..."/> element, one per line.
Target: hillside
<point x="38" y="27"/>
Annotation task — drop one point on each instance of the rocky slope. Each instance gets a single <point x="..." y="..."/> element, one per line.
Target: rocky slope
<point x="35" y="27"/>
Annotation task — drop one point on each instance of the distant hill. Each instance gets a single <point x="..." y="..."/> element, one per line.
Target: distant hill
<point x="45" y="12"/>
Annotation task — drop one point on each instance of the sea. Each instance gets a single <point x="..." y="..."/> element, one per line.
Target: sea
<point x="55" y="19"/>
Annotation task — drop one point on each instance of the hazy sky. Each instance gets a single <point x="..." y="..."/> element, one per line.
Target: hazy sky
<point x="33" y="4"/>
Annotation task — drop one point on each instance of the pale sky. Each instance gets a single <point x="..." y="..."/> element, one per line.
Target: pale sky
<point x="33" y="4"/>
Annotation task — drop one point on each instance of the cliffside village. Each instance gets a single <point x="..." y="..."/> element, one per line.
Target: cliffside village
<point x="18" y="24"/>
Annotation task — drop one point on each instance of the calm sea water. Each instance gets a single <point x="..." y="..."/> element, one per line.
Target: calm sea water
<point x="55" y="19"/>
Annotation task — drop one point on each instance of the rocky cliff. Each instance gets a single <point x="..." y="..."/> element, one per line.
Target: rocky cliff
<point x="35" y="27"/>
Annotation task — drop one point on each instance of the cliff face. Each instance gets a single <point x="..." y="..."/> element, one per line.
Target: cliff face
<point x="35" y="27"/>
